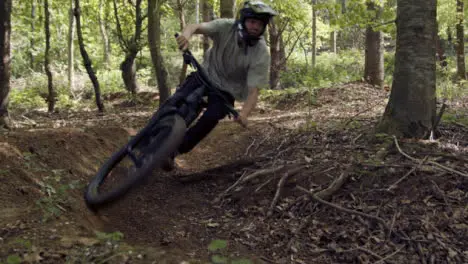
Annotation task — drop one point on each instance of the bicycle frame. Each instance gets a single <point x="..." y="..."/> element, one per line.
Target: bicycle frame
<point x="188" y="107"/>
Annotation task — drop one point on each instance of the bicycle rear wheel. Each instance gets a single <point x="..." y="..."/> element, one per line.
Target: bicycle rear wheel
<point x="120" y="173"/>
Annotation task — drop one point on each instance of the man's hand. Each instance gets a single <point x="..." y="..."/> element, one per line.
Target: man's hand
<point x="183" y="42"/>
<point x="241" y="120"/>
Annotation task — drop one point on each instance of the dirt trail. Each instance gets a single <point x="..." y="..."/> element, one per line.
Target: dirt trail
<point x="45" y="162"/>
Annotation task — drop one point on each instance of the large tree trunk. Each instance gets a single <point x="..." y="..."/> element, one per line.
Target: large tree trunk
<point x="374" y="55"/>
<point x="411" y="110"/>
<point x="460" y="41"/>
<point x="86" y="60"/>
<point x="103" y="31"/>
<point x="71" y="36"/>
<point x="154" y="39"/>
<point x="5" y="31"/>
<point x="226" y="8"/>
<point x="276" y="58"/>
<point x="314" y="33"/>
<point x="52" y="95"/>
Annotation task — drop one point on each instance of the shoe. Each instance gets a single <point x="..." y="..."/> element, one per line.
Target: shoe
<point x="169" y="163"/>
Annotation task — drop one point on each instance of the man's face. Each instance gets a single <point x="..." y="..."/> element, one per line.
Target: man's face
<point x="254" y="26"/>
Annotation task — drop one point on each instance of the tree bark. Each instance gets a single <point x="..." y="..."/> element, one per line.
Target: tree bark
<point x="374" y="58"/>
<point x="86" y="60"/>
<point x="314" y="33"/>
<point x="374" y="52"/>
<point x="411" y="109"/>
<point x="154" y="40"/>
<point x="207" y="10"/>
<point x="276" y="58"/>
<point x="132" y="47"/>
<point x="333" y="41"/>
<point x="31" y="38"/>
<point x="51" y="99"/>
<point x="5" y="60"/>
<point x="103" y="31"/>
<point x="460" y="41"/>
<point x="226" y="8"/>
<point x="71" y="37"/>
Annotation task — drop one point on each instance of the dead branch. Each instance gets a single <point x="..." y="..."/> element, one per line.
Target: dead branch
<point x="430" y="162"/>
<point x="349" y="211"/>
<point x="247" y="177"/>
<point x="395" y="185"/>
<point x="326" y="194"/>
<point x="281" y="183"/>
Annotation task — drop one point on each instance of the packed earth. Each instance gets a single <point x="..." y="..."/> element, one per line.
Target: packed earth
<point x="309" y="181"/>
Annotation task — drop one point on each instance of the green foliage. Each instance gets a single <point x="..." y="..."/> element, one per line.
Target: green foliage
<point x="216" y="245"/>
<point x="330" y="68"/>
<point x="56" y="194"/>
<point x="14" y="259"/>
<point x="217" y="248"/>
<point x="111" y="237"/>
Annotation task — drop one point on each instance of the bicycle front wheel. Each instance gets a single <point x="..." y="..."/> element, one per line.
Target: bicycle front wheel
<point x="115" y="178"/>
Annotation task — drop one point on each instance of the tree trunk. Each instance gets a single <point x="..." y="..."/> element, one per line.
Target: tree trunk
<point x="314" y="33"/>
<point x="226" y="8"/>
<point x="86" y="60"/>
<point x="5" y="31"/>
<point x="180" y="10"/>
<point x="275" y="53"/>
<point x="374" y="53"/>
<point x="51" y="99"/>
<point x="71" y="36"/>
<point x="132" y="48"/>
<point x="103" y="31"/>
<point x="374" y="58"/>
<point x="128" y="68"/>
<point x="460" y="41"/>
<point x="333" y="41"/>
<point x="207" y="11"/>
<point x="197" y="11"/>
<point x="31" y="38"/>
<point x="411" y="109"/>
<point x="154" y="39"/>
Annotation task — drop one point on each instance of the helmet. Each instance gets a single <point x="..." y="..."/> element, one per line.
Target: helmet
<point x="257" y="10"/>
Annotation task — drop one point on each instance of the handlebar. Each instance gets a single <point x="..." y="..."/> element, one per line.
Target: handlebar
<point x="190" y="60"/>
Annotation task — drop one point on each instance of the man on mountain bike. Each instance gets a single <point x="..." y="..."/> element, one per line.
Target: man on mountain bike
<point x="238" y="62"/>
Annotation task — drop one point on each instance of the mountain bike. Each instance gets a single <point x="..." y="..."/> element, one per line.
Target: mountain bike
<point x="154" y="143"/>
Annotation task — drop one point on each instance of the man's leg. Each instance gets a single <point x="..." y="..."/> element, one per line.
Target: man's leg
<point x="214" y="112"/>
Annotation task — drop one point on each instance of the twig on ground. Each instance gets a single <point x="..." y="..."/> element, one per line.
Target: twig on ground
<point x="249" y="147"/>
<point x="326" y="194"/>
<point x="389" y="255"/>
<point x="247" y="177"/>
<point x="430" y="162"/>
<point x="318" y="199"/>
<point x="370" y="252"/>
<point x="395" y="185"/>
<point x="281" y="183"/>
<point x="391" y="225"/>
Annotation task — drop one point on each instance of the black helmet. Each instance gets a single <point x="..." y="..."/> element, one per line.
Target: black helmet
<point x="257" y="10"/>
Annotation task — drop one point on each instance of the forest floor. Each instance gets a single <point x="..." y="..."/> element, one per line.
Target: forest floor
<point x="307" y="182"/>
